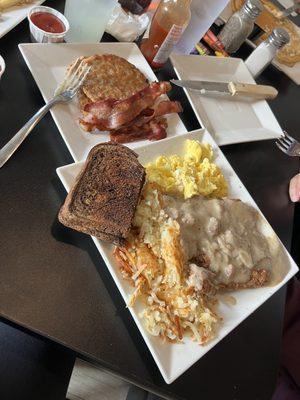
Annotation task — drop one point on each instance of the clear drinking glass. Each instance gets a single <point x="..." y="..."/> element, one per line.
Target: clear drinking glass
<point x="88" y="19"/>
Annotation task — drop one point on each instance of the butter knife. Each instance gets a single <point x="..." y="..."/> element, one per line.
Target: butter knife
<point x="229" y="89"/>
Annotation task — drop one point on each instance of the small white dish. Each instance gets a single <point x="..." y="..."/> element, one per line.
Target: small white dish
<point x="41" y="36"/>
<point x="48" y="63"/>
<point x="174" y="359"/>
<point x="13" y="16"/>
<point x="230" y="121"/>
<point x="2" y="66"/>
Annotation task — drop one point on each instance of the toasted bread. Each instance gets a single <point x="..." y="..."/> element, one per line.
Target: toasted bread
<point x="103" y="200"/>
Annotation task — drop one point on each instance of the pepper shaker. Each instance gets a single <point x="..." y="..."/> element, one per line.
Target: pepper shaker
<point x="263" y="55"/>
<point x="240" y="25"/>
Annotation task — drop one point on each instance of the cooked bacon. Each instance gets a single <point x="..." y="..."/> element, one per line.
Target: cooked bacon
<point x="148" y="114"/>
<point x="160" y="109"/>
<point x="158" y="130"/>
<point x="145" y="116"/>
<point x="167" y="107"/>
<point x="87" y="126"/>
<point x="153" y="130"/>
<point x="111" y="114"/>
<point x="104" y="107"/>
<point x="135" y="118"/>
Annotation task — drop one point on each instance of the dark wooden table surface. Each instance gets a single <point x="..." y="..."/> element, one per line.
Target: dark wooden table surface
<point x="54" y="282"/>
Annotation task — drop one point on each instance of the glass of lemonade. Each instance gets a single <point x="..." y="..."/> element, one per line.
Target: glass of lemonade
<point x="88" y="19"/>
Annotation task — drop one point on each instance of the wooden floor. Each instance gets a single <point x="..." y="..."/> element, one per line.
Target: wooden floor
<point x="90" y="383"/>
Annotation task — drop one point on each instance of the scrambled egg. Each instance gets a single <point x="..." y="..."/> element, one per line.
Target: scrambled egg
<point x="188" y="175"/>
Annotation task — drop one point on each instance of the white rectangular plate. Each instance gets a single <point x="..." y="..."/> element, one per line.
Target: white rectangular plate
<point x="230" y="121"/>
<point x="174" y="359"/>
<point x="14" y="15"/>
<point x="292" y="72"/>
<point x="48" y="63"/>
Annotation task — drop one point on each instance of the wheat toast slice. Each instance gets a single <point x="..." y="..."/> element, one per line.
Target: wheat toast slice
<point x="103" y="200"/>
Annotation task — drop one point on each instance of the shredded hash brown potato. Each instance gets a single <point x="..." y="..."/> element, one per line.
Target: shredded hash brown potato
<point x="171" y="309"/>
<point x="154" y="264"/>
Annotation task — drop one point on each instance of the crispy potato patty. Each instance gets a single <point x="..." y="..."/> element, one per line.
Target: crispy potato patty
<point x="112" y="77"/>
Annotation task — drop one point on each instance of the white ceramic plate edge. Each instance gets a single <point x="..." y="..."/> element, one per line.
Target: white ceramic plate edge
<point x="17" y="20"/>
<point x="22" y="46"/>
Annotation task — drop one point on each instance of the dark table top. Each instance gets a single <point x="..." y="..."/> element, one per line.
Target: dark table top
<point x="54" y="282"/>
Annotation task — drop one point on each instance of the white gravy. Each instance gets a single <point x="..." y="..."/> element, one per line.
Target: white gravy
<point x="226" y="231"/>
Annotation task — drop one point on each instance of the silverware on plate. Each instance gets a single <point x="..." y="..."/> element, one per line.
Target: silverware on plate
<point x="288" y="145"/>
<point x="228" y="89"/>
<point x="63" y="93"/>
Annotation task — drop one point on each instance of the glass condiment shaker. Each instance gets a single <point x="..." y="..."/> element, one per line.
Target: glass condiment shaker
<point x="240" y="25"/>
<point x="262" y="56"/>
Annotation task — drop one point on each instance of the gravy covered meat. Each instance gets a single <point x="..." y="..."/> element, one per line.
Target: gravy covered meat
<point x="223" y="236"/>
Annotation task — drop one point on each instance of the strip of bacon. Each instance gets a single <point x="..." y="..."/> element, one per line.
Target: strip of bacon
<point x="104" y="107"/>
<point x="167" y="107"/>
<point x="163" y="108"/>
<point x="109" y="115"/>
<point x="158" y="130"/>
<point x="153" y="130"/>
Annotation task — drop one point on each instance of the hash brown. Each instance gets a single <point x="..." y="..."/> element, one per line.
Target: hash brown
<point x="111" y="77"/>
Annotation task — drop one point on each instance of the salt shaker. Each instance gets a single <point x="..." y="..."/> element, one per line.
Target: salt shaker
<point x="262" y="56"/>
<point x="240" y="25"/>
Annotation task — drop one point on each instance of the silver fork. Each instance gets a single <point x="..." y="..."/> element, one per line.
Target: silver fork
<point x="63" y="93"/>
<point x="288" y="145"/>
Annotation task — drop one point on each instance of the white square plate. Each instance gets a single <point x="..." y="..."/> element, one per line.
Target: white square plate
<point x="230" y="121"/>
<point x="174" y="359"/>
<point x="48" y="63"/>
<point x="292" y="72"/>
<point x="14" y="15"/>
